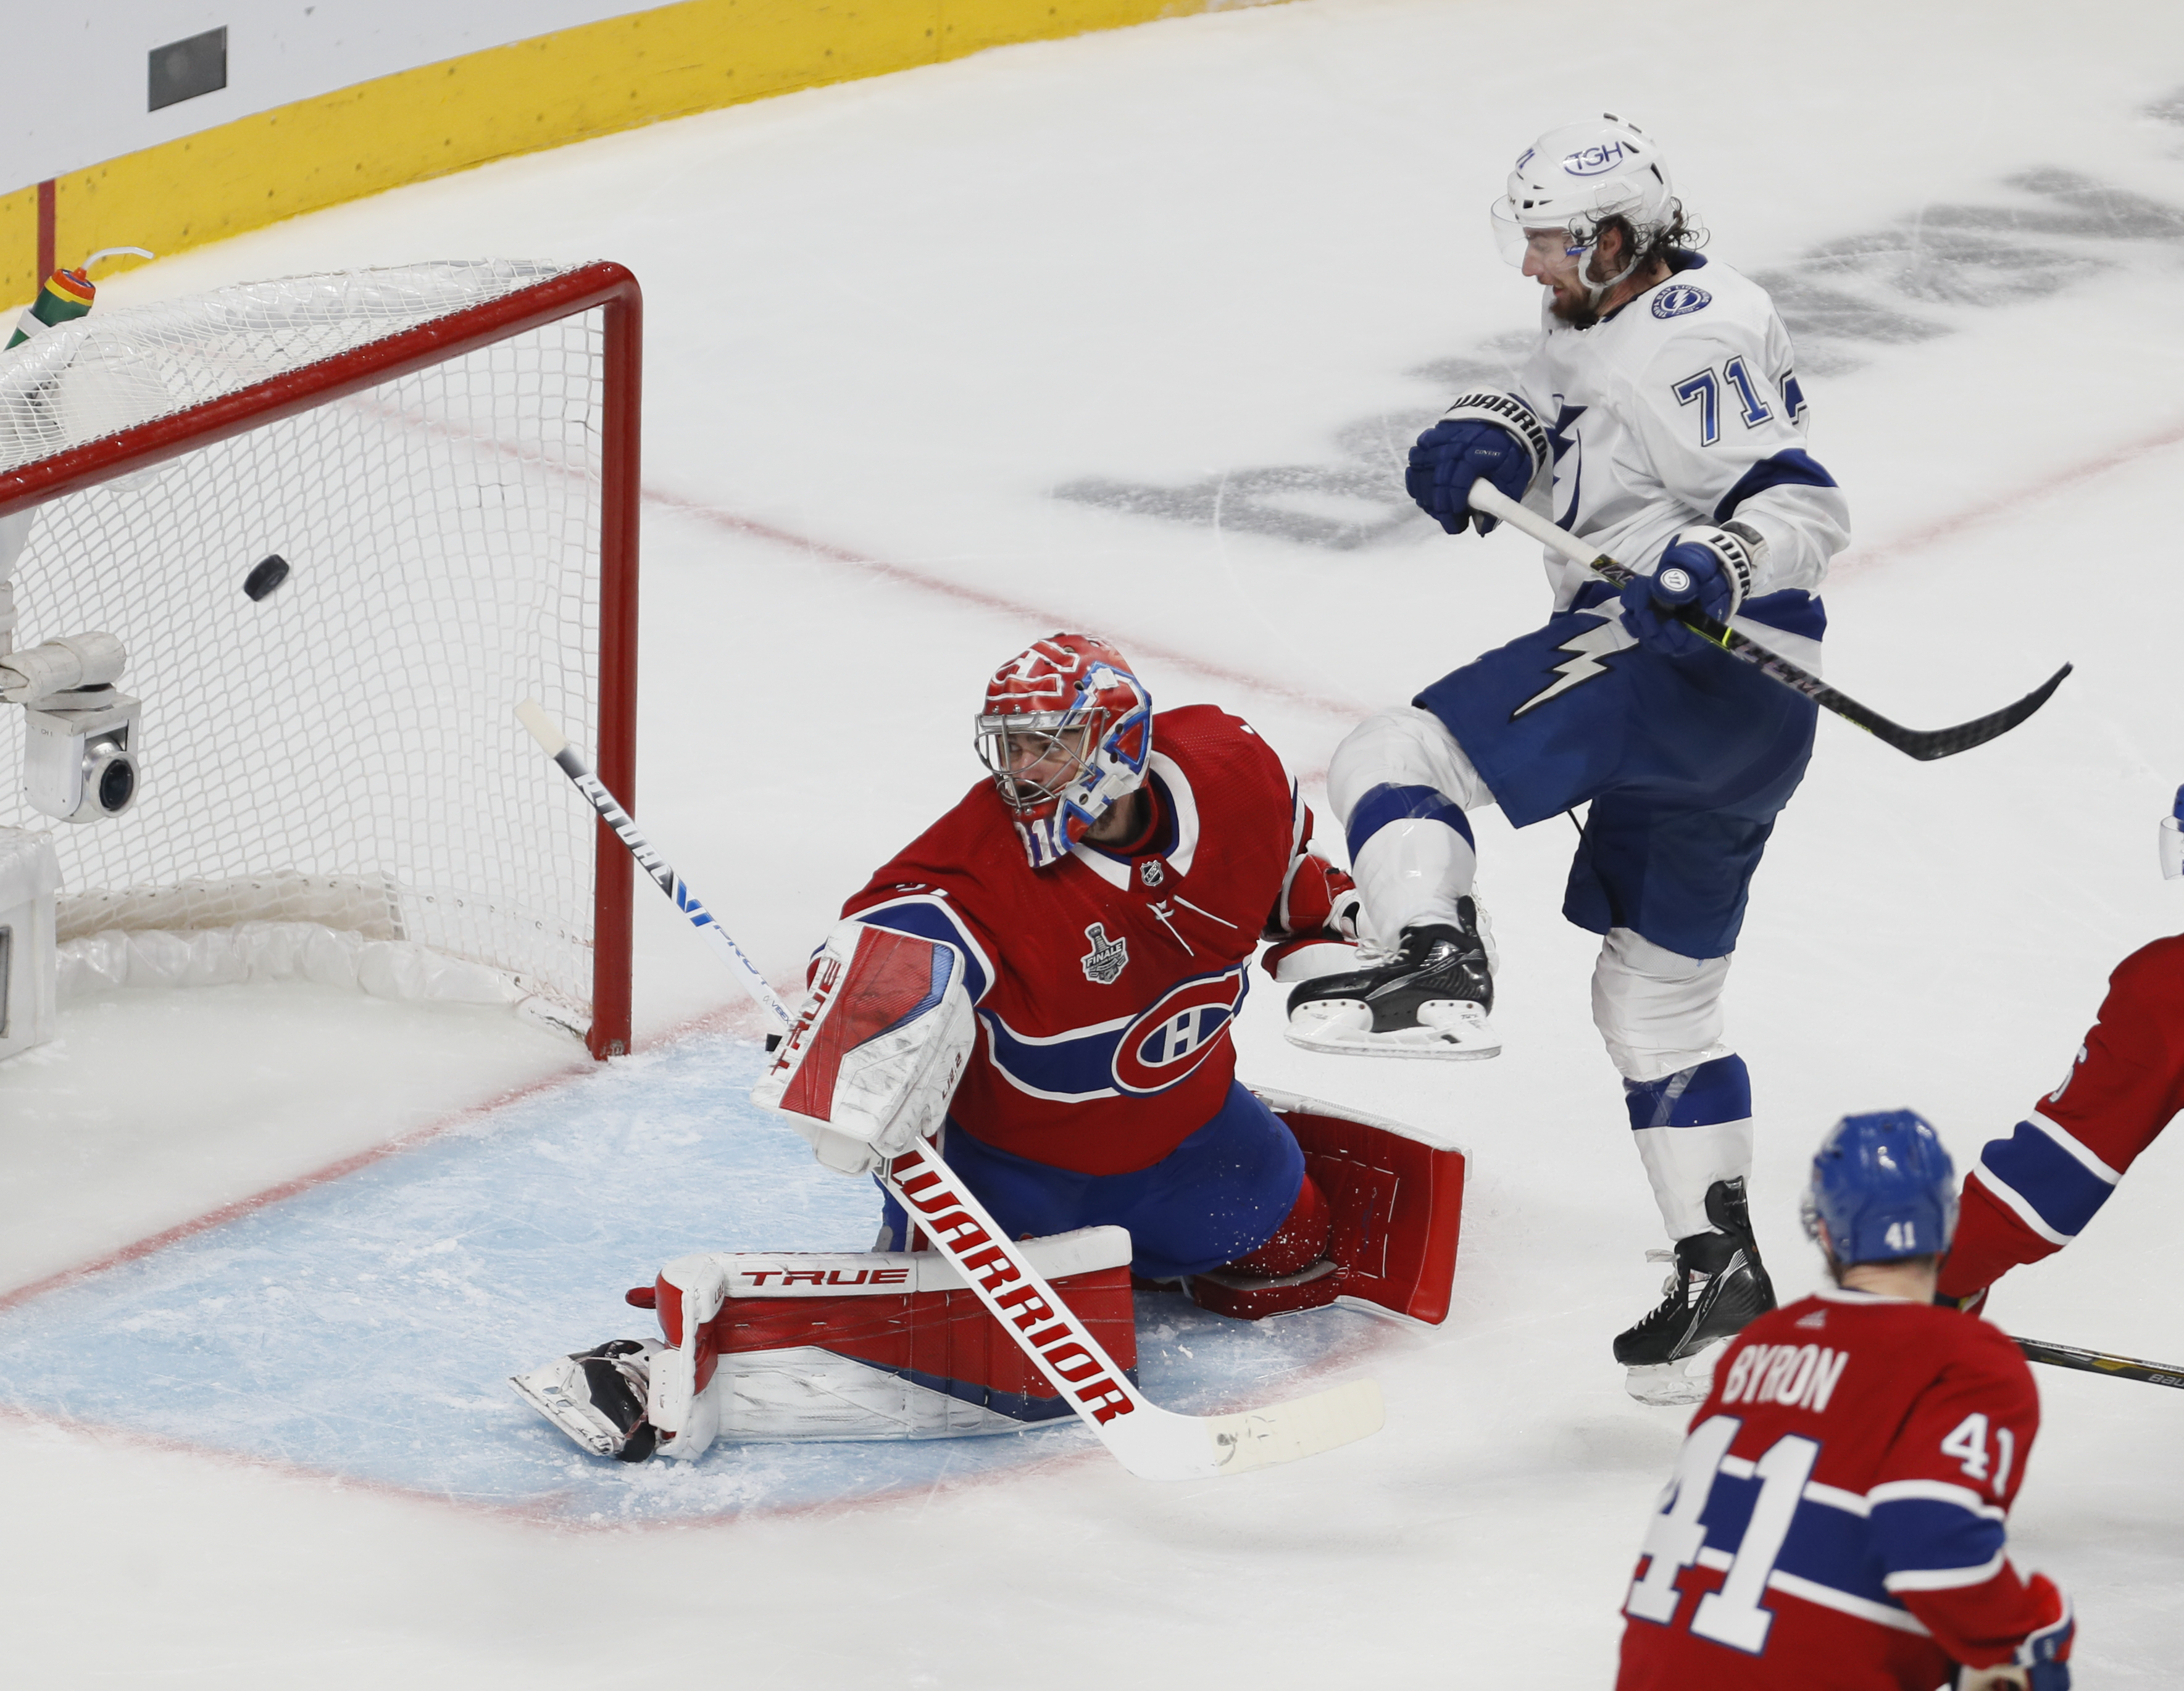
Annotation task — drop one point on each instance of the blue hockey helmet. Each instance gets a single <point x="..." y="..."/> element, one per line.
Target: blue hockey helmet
<point x="2172" y="839"/>
<point x="1885" y="1186"/>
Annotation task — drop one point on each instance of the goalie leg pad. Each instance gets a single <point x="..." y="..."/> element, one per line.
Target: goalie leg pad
<point x="890" y="1345"/>
<point x="687" y="1296"/>
<point x="1396" y="1203"/>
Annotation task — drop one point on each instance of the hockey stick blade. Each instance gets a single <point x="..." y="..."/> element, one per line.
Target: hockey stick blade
<point x="1925" y="744"/>
<point x="1152" y="1443"/>
<point x="2099" y="1362"/>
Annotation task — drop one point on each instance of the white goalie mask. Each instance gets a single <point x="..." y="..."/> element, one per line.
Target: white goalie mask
<point x="2172" y="839"/>
<point x="1574" y="178"/>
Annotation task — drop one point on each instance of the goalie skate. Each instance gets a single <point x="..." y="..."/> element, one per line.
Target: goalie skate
<point x="789" y="1347"/>
<point x="1431" y="998"/>
<point x="597" y="1397"/>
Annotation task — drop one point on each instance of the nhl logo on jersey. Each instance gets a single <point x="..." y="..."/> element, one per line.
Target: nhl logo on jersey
<point x="1680" y="299"/>
<point x="1107" y="958"/>
<point x="1152" y="871"/>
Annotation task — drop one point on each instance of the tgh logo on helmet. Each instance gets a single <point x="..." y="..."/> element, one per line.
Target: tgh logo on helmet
<point x="1590" y="161"/>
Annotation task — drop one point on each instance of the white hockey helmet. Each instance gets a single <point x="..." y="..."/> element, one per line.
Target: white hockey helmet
<point x="1574" y="178"/>
<point x="2172" y="839"/>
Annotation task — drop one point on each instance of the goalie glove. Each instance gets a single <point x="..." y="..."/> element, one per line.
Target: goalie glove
<point x="872" y="1061"/>
<point x="1315" y="923"/>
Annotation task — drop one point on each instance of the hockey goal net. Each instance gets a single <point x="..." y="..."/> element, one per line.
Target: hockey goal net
<point x="444" y="457"/>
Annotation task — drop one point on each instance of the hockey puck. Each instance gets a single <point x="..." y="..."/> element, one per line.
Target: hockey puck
<point x="268" y="574"/>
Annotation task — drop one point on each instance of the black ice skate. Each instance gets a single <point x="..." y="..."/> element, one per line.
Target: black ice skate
<point x="1718" y="1284"/>
<point x="1430" y="999"/>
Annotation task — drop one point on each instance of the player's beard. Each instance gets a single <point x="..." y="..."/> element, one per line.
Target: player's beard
<point x="1572" y="305"/>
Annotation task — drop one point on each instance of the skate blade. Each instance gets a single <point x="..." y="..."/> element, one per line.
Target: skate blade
<point x="1447" y="1033"/>
<point x="552" y="1390"/>
<point x="1685" y="1381"/>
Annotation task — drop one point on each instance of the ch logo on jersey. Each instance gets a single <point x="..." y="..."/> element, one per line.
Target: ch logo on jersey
<point x="1166" y="1043"/>
<point x="1152" y="871"/>
<point x="1680" y="299"/>
<point x="1104" y="962"/>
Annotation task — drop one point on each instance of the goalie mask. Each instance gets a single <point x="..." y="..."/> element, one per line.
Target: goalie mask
<point x="1066" y="730"/>
<point x="1574" y="178"/>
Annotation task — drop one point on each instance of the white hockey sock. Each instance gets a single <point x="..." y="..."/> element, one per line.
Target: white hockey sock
<point x="1411" y="871"/>
<point x="1402" y="785"/>
<point x="1683" y="1162"/>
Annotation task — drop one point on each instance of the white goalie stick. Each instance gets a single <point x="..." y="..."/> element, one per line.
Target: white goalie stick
<point x="1152" y="1443"/>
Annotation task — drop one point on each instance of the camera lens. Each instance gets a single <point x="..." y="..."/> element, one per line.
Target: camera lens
<point x="114" y="780"/>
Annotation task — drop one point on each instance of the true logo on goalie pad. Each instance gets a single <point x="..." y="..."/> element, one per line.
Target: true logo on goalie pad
<point x="1178" y="1033"/>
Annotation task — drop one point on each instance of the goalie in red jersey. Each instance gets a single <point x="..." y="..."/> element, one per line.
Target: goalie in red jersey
<point x="2033" y="1190"/>
<point x="1838" y="1516"/>
<point x="1044" y="980"/>
<point x="1079" y="932"/>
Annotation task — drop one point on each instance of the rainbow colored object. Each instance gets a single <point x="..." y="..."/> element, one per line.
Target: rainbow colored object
<point x="66" y="296"/>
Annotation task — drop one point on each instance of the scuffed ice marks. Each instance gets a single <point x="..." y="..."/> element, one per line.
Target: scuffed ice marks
<point x="1845" y="301"/>
<point x="366" y="1327"/>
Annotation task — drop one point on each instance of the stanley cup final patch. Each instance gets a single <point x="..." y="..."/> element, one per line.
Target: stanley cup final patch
<point x="1104" y="962"/>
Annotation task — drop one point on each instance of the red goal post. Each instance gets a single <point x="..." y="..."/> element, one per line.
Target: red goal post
<point x="447" y="456"/>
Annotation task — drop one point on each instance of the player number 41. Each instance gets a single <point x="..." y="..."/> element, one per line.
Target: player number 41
<point x="1731" y="1616"/>
<point x="1968" y="1443"/>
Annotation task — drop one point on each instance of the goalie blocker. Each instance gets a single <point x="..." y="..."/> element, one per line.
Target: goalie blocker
<point x="893" y="1345"/>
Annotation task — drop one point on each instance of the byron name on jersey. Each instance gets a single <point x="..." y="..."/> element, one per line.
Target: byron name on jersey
<point x="1836" y="1517"/>
<point x="1105" y="985"/>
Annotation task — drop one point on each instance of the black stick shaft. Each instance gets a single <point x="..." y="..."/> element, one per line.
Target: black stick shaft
<point x="2100" y="1362"/>
<point x="1925" y="744"/>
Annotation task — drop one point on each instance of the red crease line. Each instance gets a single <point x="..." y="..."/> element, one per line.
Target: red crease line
<point x="286" y="1189"/>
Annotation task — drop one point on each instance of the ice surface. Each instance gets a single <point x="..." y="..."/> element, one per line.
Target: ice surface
<point x="364" y="1328"/>
<point x="896" y="331"/>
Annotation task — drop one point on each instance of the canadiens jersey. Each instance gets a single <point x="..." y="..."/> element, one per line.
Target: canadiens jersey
<point x="1836" y="1515"/>
<point x="1106" y="986"/>
<point x="2032" y="1192"/>
<point x="1683" y="407"/>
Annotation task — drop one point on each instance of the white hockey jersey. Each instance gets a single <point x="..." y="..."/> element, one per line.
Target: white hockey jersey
<point x="1681" y="408"/>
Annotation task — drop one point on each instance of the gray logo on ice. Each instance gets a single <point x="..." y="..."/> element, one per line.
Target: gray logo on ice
<point x="1844" y="302"/>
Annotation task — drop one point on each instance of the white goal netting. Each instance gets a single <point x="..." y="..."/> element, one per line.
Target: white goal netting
<point x="341" y="752"/>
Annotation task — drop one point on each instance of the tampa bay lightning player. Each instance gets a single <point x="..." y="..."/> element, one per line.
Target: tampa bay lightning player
<point x="1658" y="418"/>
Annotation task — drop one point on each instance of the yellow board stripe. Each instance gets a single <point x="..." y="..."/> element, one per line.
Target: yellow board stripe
<point x="695" y="57"/>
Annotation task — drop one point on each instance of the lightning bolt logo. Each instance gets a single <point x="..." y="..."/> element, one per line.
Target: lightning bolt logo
<point x="1588" y="650"/>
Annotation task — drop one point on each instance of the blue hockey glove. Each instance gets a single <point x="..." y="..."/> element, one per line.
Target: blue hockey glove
<point x="1493" y="434"/>
<point x="2045" y="1653"/>
<point x="1709" y="569"/>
